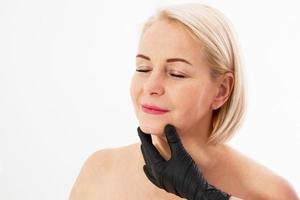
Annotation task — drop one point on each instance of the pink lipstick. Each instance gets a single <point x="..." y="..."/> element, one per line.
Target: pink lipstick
<point x="151" y="109"/>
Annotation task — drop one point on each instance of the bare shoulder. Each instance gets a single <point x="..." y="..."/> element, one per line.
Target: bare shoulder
<point x="258" y="179"/>
<point x="97" y="171"/>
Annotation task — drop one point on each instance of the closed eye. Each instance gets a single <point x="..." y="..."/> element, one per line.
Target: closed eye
<point x="172" y="74"/>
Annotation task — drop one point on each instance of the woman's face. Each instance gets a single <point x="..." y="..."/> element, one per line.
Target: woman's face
<point x="187" y="98"/>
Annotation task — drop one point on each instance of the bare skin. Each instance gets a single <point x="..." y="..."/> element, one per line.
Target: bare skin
<point x="118" y="173"/>
<point x="115" y="174"/>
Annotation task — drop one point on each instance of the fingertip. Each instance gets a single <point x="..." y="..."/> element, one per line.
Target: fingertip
<point x="169" y="127"/>
<point x="144" y="137"/>
<point x="139" y="130"/>
<point x="171" y="133"/>
<point x="141" y="133"/>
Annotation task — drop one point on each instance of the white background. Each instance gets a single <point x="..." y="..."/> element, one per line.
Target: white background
<point x="65" y="70"/>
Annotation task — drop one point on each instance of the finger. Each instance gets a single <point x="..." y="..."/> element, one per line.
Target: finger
<point x="172" y="138"/>
<point x="144" y="141"/>
<point x="150" y="150"/>
<point x="144" y="137"/>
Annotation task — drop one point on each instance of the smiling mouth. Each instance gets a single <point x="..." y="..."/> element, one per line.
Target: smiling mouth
<point x="153" y="111"/>
<point x="154" y="107"/>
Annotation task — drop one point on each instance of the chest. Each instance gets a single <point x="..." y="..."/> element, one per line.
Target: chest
<point x="134" y="186"/>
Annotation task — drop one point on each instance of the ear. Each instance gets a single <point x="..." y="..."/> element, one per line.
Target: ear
<point x="225" y="86"/>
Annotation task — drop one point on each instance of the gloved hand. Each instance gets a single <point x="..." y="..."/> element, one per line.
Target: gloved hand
<point x="179" y="175"/>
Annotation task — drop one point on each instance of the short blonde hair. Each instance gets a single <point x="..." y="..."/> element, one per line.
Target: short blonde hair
<point x="213" y="30"/>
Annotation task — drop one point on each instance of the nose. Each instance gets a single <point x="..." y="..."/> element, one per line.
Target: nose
<point x="154" y="85"/>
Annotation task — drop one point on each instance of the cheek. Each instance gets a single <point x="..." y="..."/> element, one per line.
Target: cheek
<point x="192" y="102"/>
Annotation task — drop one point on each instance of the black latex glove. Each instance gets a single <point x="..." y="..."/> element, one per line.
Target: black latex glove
<point x="179" y="175"/>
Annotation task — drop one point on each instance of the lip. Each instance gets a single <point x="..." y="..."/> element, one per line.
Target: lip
<point x="152" y="109"/>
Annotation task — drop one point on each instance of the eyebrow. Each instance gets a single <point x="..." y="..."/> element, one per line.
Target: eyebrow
<point x="168" y="60"/>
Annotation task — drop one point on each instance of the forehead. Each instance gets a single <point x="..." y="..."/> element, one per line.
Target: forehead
<point x="167" y="39"/>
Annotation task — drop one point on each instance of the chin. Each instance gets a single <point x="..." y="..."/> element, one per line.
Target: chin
<point x="152" y="129"/>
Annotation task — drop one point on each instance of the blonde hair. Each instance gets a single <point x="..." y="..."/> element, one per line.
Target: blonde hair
<point x="213" y="30"/>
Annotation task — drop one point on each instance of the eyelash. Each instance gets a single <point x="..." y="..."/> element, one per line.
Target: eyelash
<point x="175" y="75"/>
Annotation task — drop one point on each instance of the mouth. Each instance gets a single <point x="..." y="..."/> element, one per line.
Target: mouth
<point x="151" y="109"/>
<point x="154" y="107"/>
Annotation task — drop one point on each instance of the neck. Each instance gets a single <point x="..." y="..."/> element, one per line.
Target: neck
<point x="195" y="142"/>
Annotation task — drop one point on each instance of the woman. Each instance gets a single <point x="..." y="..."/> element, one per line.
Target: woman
<point x="188" y="86"/>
